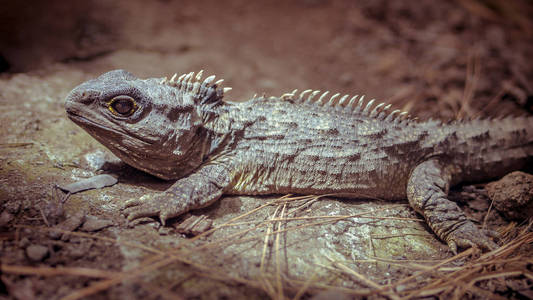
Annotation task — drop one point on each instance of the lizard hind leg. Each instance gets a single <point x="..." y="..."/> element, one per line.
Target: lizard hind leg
<point x="427" y="191"/>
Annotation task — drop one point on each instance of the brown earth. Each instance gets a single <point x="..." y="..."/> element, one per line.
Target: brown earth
<point x="440" y="59"/>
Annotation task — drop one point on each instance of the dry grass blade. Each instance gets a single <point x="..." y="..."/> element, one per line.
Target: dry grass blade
<point x="279" y="283"/>
<point x="265" y="243"/>
<point x="267" y="286"/>
<point x="472" y="77"/>
<point x="49" y="271"/>
<point x="484" y="225"/>
<point x="15" y="145"/>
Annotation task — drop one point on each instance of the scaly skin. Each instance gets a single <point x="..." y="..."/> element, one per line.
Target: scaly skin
<point x="305" y="144"/>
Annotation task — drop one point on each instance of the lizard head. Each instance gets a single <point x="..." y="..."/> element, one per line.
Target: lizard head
<point x="151" y="124"/>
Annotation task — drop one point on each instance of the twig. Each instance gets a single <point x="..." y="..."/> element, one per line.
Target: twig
<point x="279" y="283"/>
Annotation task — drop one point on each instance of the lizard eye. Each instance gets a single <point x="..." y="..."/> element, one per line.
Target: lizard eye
<point x="122" y="106"/>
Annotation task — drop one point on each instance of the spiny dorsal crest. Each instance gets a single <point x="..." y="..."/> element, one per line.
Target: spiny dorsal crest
<point x="355" y="105"/>
<point x="206" y="90"/>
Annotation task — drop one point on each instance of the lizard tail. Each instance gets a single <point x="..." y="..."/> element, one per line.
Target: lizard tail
<point x="492" y="148"/>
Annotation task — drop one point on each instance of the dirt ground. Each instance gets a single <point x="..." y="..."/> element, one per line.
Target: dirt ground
<point x="436" y="59"/>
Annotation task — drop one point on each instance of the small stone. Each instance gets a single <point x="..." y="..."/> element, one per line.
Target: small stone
<point x="164" y="230"/>
<point x="37" y="252"/>
<point x="5" y="217"/>
<point x="70" y="224"/>
<point x="513" y="195"/>
<point x="12" y="207"/>
<point x="100" y="160"/>
<point x="24" y="242"/>
<point x="53" y="211"/>
<point x="79" y="251"/>
<point x="54" y="234"/>
<point x="92" y="223"/>
<point x="95" y="160"/>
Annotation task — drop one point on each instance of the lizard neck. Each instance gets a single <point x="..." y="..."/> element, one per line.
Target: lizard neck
<point x="219" y="124"/>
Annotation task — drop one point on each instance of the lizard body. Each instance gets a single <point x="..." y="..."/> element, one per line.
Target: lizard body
<point x="307" y="143"/>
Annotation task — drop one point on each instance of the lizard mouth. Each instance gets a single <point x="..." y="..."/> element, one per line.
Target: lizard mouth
<point x="91" y="125"/>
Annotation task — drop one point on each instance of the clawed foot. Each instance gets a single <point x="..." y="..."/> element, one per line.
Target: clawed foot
<point x="468" y="235"/>
<point x="158" y="205"/>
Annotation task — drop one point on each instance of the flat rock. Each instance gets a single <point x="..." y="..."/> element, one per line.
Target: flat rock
<point x="95" y="182"/>
<point x="513" y="195"/>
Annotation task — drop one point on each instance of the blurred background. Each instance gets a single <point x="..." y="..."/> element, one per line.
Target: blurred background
<point x="434" y="58"/>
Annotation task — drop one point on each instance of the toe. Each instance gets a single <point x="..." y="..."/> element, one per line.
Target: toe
<point x="492" y="233"/>
<point x="468" y="235"/>
<point x="134" y="213"/>
<point x="487" y="245"/>
<point x="131" y="203"/>
<point x="453" y="246"/>
<point x="163" y="217"/>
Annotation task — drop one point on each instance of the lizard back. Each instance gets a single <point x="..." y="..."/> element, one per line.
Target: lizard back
<point x="297" y="145"/>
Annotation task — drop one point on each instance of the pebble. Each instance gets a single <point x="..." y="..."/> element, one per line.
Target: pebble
<point x="79" y="252"/>
<point x="37" y="252"/>
<point x="24" y="242"/>
<point x="12" y="207"/>
<point x="70" y="224"/>
<point x="100" y="160"/>
<point x="5" y="217"/>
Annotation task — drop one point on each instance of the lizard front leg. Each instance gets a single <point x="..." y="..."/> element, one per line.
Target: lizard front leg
<point x="199" y="189"/>
<point x="427" y="191"/>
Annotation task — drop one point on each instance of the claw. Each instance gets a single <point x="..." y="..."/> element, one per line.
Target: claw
<point x="492" y="233"/>
<point x="163" y="217"/>
<point x="489" y="245"/>
<point x="132" y="202"/>
<point x="139" y="212"/>
<point x="453" y="247"/>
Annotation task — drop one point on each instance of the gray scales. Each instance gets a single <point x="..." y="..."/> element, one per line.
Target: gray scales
<point x="306" y="143"/>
